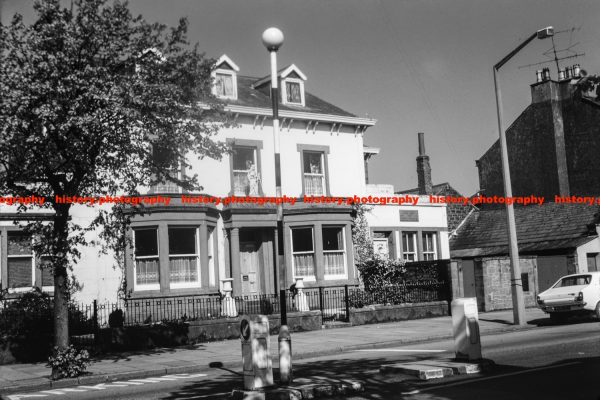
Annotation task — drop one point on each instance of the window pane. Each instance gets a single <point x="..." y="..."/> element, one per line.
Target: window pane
<point x="146" y="272"/>
<point x="333" y="239"/>
<point x="19" y="243"/>
<point x="183" y="269"/>
<point x="525" y="282"/>
<point x="409" y="243"/>
<point x="224" y="84"/>
<point x="146" y="243"/>
<point x="47" y="277"/>
<point x="243" y="158"/>
<point x="182" y="241"/>
<point x="313" y="162"/>
<point x="428" y="242"/>
<point x="302" y="239"/>
<point x="19" y="272"/>
<point x="304" y="264"/>
<point x="293" y="92"/>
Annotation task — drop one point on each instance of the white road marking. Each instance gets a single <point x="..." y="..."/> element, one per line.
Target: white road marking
<point x="104" y="386"/>
<point x="406" y="350"/>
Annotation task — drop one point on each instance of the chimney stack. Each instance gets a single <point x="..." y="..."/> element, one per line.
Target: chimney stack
<point x="423" y="168"/>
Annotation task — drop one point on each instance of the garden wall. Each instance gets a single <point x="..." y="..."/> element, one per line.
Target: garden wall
<point x="376" y="314"/>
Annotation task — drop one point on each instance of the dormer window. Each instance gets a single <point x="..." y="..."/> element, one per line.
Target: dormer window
<point x="225" y="78"/>
<point x="294" y="92"/>
<point x="292" y="86"/>
<point x="291" y="83"/>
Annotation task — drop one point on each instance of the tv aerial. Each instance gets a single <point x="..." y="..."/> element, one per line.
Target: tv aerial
<point x="555" y="55"/>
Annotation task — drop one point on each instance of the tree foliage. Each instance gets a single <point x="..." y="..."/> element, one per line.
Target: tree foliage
<point x="90" y="96"/>
<point x="361" y="235"/>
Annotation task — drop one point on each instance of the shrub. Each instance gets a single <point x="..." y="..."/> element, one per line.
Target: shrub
<point x="68" y="363"/>
<point x="26" y="326"/>
<point x="116" y="319"/>
<point x="377" y="272"/>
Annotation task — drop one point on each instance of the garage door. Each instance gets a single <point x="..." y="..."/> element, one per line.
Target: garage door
<point x="550" y="269"/>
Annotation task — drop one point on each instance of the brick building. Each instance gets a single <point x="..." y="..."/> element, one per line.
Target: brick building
<point x="553" y="145"/>
<point x="552" y="151"/>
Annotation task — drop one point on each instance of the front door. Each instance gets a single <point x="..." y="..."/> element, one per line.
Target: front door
<point x="249" y="263"/>
<point x="468" y="273"/>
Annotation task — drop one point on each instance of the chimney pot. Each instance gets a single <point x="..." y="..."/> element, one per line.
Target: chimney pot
<point x="576" y="70"/>
<point x="421" y="143"/>
<point x="538" y="75"/>
<point x="546" y="72"/>
<point x="561" y="75"/>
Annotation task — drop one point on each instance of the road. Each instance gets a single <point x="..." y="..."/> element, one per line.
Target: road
<point x="551" y="362"/>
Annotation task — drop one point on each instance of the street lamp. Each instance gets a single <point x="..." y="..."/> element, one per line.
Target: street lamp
<point x="273" y="39"/>
<point x="516" y="284"/>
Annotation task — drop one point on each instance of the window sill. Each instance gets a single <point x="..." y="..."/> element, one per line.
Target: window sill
<point x="333" y="277"/>
<point x="139" y="288"/>
<point x="21" y="289"/>
<point x="307" y="278"/>
<point x="186" y="285"/>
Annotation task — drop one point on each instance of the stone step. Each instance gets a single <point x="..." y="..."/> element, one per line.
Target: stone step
<point x="420" y="370"/>
<point x="459" y="368"/>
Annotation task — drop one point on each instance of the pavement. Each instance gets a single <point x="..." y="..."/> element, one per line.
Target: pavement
<point x="227" y="354"/>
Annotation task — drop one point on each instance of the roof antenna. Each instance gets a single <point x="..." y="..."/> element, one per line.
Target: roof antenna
<point x="554" y="54"/>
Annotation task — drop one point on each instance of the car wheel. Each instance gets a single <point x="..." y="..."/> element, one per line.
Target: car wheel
<point x="597" y="311"/>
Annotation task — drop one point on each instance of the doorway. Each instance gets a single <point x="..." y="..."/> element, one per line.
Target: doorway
<point x="256" y="261"/>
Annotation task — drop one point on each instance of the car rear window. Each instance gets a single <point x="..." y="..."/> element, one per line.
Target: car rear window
<point x="576" y="280"/>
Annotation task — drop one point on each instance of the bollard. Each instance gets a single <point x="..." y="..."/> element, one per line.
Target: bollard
<point x="285" y="355"/>
<point x="256" y="356"/>
<point x="465" y="329"/>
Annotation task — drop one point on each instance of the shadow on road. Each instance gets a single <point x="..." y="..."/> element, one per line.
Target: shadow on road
<point x="498" y="382"/>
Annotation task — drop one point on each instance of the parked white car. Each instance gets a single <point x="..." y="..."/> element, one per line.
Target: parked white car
<point x="572" y="295"/>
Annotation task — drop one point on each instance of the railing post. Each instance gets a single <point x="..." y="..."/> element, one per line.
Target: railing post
<point x="347" y="300"/>
<point x="96" y="325"/>
<point x="283" y="306"/>
<point x="321" y="303"/>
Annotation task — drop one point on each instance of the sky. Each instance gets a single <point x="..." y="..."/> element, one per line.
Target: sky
<point x="415" y="66"/>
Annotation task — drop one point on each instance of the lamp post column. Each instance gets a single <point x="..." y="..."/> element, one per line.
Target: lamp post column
<point x="273" y="39"/>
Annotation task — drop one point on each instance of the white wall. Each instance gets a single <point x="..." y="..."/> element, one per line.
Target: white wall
<point x="592" y="246"/>
<point x="345" y="159"/>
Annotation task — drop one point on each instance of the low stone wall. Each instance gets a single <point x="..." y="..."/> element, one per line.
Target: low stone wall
<point x="376" y="314"/>
<point x="172" y="334"/>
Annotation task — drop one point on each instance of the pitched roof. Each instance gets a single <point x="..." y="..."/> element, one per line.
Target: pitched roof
<point x="549" y="227"/>
<point x="250" y="97"/>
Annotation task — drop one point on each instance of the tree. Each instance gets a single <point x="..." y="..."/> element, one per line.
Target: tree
<point x="361" y="235"/>
<point x="90" y="96"/>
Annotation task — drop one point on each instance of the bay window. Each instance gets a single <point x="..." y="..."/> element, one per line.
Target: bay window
<point x="146" y="265"/>
<point x="303" y="252"/>
<point x="334" y="252"/>
<point x="184" y="261"/>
